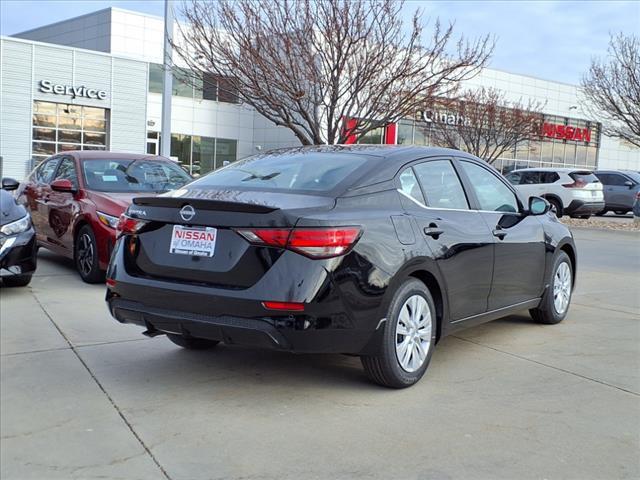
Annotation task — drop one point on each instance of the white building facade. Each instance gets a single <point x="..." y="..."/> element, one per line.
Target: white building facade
<point x="94" y="82"/>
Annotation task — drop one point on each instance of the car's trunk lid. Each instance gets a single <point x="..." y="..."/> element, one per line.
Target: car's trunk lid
<point x="234" y="263"/>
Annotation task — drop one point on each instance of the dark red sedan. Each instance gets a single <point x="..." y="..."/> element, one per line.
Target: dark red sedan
<point x="75" y="199"/>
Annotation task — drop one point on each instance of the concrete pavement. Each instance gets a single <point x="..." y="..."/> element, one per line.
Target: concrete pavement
<point x="84" y="397"/>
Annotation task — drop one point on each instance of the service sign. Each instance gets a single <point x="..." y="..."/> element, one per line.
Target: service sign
<point x="72" y="91"/>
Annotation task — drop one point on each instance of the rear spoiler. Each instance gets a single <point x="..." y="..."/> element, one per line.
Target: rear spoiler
<point x="203" y="204"/>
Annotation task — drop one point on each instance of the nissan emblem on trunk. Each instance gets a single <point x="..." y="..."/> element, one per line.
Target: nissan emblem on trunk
<point x="187" y="213"/>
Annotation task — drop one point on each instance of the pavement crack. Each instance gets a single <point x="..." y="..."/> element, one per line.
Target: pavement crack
<point x="547" y="365"/>
<point x="104" y="391"/>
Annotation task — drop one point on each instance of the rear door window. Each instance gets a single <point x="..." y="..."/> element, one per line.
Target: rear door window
<point x="531" y="178"/>
<point x="441" y="185"/>
<point x="409" y="185"/>
<point x="291" y="171"/>
<point x="549" y="177"/>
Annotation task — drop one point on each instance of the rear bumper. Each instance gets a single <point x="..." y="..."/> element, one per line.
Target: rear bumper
<point x="580" y="207"/>
<point x="327" y="324"/>
<point x="18" y="254"/>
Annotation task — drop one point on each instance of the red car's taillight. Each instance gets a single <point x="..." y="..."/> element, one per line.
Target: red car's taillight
<point x="129" y="226"/>
<point x="312" y="242"/>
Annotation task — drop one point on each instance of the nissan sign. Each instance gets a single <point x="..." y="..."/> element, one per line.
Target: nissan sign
<point x="74" y="92"/>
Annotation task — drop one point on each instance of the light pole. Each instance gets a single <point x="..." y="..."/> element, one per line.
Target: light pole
<point x="167" y="86"/>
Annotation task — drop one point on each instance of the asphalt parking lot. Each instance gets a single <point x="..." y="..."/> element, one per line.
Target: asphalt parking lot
<point x="84" y="397"/>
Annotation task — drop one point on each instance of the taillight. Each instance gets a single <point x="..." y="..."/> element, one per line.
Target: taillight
<point x="312" y="242"/>
<point x="576" y="184"/>
<point x="129" y="226"/>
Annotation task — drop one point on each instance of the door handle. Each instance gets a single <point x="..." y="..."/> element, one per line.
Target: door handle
<point x="499" y="232"/>
<point x="433" y="231"/>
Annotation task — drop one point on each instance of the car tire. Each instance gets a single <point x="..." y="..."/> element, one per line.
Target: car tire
<point x="413" y="311"/>
<point x="552" y="308"/>
<point x="86" y="256"/>
<point x="556" y="206"/>
<point x="585" y="217"/>
<point x="602" y="213"/>
<point x="620" y="212"/>
<point x="16" y="280"/>
<point x="191" y="343"/>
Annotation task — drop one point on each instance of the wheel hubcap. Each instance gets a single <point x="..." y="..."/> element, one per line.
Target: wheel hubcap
<point x="562" y="288"/>
<point x="413" y="333"/>
<point x="85" y="254"/>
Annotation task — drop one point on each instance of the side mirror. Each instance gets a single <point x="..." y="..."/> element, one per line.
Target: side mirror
<point x="538" y="206"/>
<point x="10" y="184"/>
<point x="63" y="185"/>
<point x="629" y="184"/>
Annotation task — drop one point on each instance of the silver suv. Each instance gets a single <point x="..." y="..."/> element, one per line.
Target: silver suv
<point x="570" y="191"/>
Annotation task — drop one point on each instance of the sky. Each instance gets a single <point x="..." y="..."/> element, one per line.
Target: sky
<point x="554" y="40"/>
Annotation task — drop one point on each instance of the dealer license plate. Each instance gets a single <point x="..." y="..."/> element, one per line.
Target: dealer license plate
<point x="200" y="242"/>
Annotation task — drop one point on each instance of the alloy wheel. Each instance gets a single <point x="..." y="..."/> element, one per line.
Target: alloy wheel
<point x="562" y="288"/>
<point x="413" y="333"/>
<point x="85" y="254"/>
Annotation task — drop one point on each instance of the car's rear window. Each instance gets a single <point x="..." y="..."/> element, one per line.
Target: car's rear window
<point x="584" y="177"/>
<point x="295" y="171"/>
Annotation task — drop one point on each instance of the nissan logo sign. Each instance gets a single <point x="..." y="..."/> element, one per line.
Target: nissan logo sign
<point x="187" y="213"/>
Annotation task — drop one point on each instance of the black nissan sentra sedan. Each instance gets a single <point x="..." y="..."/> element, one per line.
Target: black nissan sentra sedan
<point x="363" y="250"/>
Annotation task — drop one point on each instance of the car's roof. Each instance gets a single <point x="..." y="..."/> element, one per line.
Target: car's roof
<point x="551" y="169"/>
<point x="388" y="151"/>
<point x="616" y="171"/>
<point x="103" y="155"/>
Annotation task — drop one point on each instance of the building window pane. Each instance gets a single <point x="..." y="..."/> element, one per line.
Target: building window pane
<point x="227" y="91"/>
<point x="70" y="136"/>
<point x="405" y="133"/>
<point x="209" y="87"/>
<point x="44" y="108"/>
<point x="203" y="157"/>
<point x="65" y="147"/>
<point x="226" y="151"/>
<point x="155" y="78"/>
<point x="181" y="149"/>
<point x="69" y="121"/>
<point x="92" y="138"/>
<point x="374" y="137"/>
<point x="95" y="125"/>
<point x="182" y="83"/>
<point x="44" y="120"/>
<point x="41" y="148"/>
<point x="558" y="152"/>
<point x="90" y="112"/>
<point x="48" y="134"/>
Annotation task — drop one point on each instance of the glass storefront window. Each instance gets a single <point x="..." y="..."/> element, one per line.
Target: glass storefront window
<point x="181" y="149"/>
<point x="203" y="157"/>
<point x="405" y="133"/>
<point x="59" y="127"/>
<point x="374" y="137"/>
<point x="558" y="152"/>
<point x="226" y="151"/>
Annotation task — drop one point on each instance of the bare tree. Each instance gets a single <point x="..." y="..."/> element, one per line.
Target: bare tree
<point x="612" y="89"/>
<point x="311" y="65"/>
<point x="484" y="123"/>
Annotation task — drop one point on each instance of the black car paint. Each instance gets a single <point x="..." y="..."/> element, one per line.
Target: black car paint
<point x="22" y="252"/>
<point x="346" y="298"/>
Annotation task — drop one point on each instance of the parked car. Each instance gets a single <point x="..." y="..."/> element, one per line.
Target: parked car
<point x="620" y="190"/>
<point x="636" y="209"/>
<point x="17" y="239"/>
<point x="371" y="251"/>
<point x="76" y="197"/>
<point x="570" y="191"/>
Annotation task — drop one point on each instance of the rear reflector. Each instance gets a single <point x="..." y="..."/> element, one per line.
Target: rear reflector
<point x="289" y="306"/>
<point x="325" y="242"/>
<point x="110" y="282"/>
<point x="128" y="226"/>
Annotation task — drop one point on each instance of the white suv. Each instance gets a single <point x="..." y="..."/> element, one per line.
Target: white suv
<point x="570" y="191"/>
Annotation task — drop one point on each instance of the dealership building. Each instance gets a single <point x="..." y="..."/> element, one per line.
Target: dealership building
<point x="94" y="82"/>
